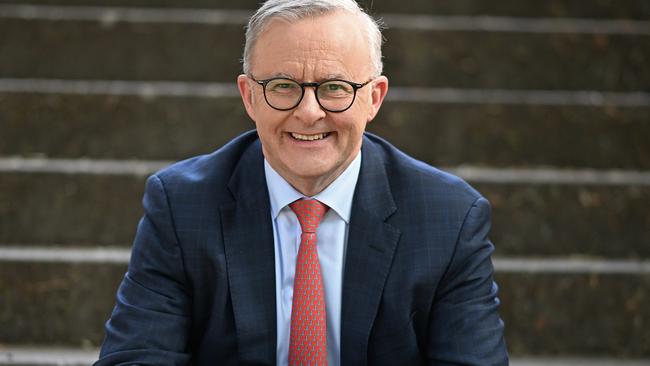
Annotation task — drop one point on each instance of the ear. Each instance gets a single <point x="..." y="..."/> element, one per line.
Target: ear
<point x="246" y="92"/>
<point x="377" y="95"/>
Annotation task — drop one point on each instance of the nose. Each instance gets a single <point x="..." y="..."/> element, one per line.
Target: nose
<point x="309" y="110"/>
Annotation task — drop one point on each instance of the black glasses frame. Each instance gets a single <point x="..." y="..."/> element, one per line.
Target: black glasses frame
<point x="355" y="87"/>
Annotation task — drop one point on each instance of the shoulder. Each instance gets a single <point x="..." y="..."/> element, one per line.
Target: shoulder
<point x="431" y="206"/>
<point x="209" y="173"/>
<point x="413" y="180"/>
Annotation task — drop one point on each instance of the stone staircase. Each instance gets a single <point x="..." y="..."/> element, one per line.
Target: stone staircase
<point x="543" y="105"/>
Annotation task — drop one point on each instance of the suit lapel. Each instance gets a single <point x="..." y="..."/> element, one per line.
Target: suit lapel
<point x="370" y="249"/>
<point x="250" y="259"/>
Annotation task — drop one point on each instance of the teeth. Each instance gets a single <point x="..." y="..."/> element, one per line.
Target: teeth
<point x="317" y="136"/>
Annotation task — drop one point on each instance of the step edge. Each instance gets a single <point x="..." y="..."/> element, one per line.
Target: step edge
<point x="471" y="173"/>
<point x="21" y="355"/>
<point x="434" y="95"/>
<point x="109" y="15"/>
<point x="502" y="264"/>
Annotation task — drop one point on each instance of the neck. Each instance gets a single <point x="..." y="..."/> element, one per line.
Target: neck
<point x="311" y="187"/>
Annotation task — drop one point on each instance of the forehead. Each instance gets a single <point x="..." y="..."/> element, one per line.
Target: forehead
<point x="324" y="46"/>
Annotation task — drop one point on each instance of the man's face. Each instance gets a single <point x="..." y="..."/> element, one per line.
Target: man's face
<point x="307" y="145"/>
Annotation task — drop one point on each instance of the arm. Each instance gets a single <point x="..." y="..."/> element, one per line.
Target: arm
<point x="151" y="320"/>
<point x="465" y="327"/>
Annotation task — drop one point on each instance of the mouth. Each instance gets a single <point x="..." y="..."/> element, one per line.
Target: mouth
<point x="314" y="137"/>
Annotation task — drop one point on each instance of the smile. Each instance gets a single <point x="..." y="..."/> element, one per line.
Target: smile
<point x="318" y="136"/>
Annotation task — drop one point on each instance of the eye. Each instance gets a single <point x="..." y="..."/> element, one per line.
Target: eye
<point x="282" y="86"/>
<point x="333" y="87"/>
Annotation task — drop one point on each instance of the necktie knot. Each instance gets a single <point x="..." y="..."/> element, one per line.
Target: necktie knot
<point x="310" y="213"/>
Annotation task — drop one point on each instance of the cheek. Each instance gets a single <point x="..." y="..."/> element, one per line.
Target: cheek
<point x="366" y="108"/>
<point x="351" y="134"/>
<point x="262" y="111"/>
<point x="268" y="122"/>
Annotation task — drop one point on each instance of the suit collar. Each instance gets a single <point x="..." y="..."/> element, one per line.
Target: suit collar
<point x="250" y="259"/>
<point x="248" y="183"/>
<point x="370" y="249"/>
<point x="373" y="188"/>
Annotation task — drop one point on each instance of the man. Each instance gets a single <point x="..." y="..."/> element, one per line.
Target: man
<point x="308" y="242"/>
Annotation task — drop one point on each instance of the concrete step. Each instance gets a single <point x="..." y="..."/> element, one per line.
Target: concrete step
<point x="66" y="304"/>
<point x="583" y="314"/>
<point x="556" y="219"/>
<point x="50" y="356"/>
<point x="46" y="356"/>
<point x="72" y="209"/>
<point x="631" y="9"/>
<point x="517" y="60"/>
<point x="120" y="51"/>
<point x="532" y="216"/>
<point x="438" y="57"/>
<point x="519" y="134"/>
<point x="57" y="303"/>
<point x="442" y="133"/>
<point x="117" y="127"/>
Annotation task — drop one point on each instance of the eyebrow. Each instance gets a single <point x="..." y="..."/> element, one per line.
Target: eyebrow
<point x="327" y="77"/>
<point x="283" y="75"/>
<point x="336" y="76"/>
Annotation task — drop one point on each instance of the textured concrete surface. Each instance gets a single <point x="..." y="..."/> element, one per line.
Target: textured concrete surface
<point x="531" y="8"/>
<point x="517" y="61"/>
<point x="172" y="128"/>
<point x="511" y="135"/>
<point x="192" y="52"/>
<point x="111" y="127"/>
<point x="69" y="209"/>
<point x="554" y="220"/>
<point x="596" y="315"/>
<point x="57" y="303"/>
<point x="630" y="9"/>
<point x="49" y="356"/>
<point x="90" y="50"/>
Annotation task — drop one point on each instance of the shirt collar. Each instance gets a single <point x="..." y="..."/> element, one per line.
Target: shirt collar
<point x="337" y="196"/>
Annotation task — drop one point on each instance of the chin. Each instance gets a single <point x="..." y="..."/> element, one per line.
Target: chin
<point x="310" y="173"/>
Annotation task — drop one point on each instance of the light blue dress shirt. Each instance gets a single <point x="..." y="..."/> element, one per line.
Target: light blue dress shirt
<point x="332" y="234"/>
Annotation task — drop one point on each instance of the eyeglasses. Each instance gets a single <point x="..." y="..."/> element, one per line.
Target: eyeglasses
<point x="332" y="95"/>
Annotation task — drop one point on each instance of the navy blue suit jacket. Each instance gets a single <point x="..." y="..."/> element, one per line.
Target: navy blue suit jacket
<point x="200" y="288"/>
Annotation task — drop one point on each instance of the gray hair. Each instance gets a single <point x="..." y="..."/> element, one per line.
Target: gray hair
<point x="294" y="10"/>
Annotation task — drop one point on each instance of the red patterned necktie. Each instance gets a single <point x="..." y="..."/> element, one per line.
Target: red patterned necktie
<point x="308" y="342"/>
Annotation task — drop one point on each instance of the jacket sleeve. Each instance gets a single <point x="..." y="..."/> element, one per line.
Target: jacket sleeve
<point x="465" y="327"/>
<point x="151" y="319"/>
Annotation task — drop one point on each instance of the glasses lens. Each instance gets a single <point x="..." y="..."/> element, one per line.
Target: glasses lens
<point x="283" y="93"/>
<point x="335" y="95"/>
